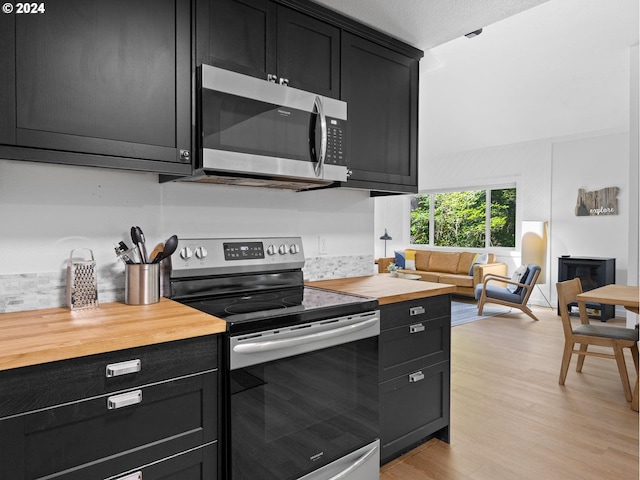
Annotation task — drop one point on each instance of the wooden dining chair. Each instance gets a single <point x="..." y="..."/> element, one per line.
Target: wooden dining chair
<point x="586" y="334"/>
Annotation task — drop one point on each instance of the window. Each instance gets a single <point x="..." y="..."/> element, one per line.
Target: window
<point x="462" y="219"/>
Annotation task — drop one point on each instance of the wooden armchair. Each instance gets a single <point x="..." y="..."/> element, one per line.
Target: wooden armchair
<point x="586" y="334"/>
<point x="493" y="290"/>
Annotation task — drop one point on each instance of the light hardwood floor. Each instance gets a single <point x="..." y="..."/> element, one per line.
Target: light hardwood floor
<point x="511" y="420"/>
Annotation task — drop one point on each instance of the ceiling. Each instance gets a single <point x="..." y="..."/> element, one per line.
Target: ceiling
<point x="429" y="23"/>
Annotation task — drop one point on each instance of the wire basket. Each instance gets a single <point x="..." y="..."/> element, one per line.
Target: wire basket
<point x="82" y="282"/>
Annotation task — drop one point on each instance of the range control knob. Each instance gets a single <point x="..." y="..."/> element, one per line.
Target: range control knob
<point x="271" y="250"/>
<point x="283" y="249"/>
<point x="294" y="248"/>
<point x="186" y="253"/>
<point x="201" y="252"/>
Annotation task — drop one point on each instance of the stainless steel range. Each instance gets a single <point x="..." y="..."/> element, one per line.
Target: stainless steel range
<point x="300" y="396"/>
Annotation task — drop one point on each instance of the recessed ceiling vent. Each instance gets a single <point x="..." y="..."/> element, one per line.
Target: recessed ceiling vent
<point x="475" y="33"/>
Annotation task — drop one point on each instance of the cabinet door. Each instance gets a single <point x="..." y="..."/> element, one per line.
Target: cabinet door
<point x="105" y="78"/>
<point x="101" y="436"/>
<point x="308" y="53"/>
<point x="380" y="87"/>
<point x="238" y="35"/>
<point x="413" y="407"/>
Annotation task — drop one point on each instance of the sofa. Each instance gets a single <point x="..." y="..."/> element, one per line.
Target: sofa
<point x="464" y="270"/>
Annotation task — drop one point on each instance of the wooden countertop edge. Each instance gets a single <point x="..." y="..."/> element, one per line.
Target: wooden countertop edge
<point x="379" y="286"/>
<point x="42" y="336"/>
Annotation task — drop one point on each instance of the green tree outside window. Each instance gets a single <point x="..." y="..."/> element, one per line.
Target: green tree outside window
<point x="460" y="219"/>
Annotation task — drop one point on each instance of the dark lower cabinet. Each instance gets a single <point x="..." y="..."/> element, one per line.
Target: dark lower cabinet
<point x="415" y="372"/>
<point x="98" y="83"/>
<point x="380" y="86"/>
<point x="165" y="428"/>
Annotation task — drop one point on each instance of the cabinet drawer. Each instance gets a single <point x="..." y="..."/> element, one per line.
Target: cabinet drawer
<point x="413" y="346"/>
<point x="41" y="386"/>
<point x="111" y="433"/>
<point x="414" y="311"/>
<point x="198" y="464"/>
<point x="413" y="407"/>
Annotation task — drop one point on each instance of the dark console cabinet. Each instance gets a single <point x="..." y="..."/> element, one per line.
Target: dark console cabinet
<point x="593" y="272"/>
<point x="415" y="369"/>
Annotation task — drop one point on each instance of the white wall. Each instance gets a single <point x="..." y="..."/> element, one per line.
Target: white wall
<point x="47" y="210"/>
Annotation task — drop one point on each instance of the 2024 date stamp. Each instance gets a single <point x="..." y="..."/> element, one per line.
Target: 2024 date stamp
<point x="23" y="8"/>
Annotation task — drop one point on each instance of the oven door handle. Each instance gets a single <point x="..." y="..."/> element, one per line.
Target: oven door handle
<point x="266" y="345"/>
<point x="355" y="465"/>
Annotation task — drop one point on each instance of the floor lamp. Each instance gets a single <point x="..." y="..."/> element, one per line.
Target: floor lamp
<point x="534" y="249"/>
<point x="385" y="237"/>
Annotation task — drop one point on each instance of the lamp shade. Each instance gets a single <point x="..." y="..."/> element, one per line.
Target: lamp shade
<point x="385" y="236"/>
<point x="534" y="246"/>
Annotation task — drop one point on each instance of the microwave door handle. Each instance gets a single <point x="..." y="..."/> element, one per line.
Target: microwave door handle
<point x="317" y="104"/>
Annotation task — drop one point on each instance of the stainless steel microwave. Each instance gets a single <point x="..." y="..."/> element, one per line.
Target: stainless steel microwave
<point x="255" y="132"/>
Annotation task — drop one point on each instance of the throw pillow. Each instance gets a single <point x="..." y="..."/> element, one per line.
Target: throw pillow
<point x="410" y="259"/>
<point x="481" y="259"/>
<point x="399" y="259"/>
<point x="518" y="276"/>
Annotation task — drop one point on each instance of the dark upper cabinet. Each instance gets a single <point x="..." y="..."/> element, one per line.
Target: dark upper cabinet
<point x="380" y="87"/>
<point x="99" y="83"/>
<point x="261" y="38"/>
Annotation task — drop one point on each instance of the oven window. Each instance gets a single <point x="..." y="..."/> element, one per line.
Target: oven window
<point x="294" y="415"/>
<point x="245" y="125"/>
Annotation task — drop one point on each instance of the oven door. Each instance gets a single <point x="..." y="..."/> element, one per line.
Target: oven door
<point x="310" y="405"/>
<point x="250" y="126"/>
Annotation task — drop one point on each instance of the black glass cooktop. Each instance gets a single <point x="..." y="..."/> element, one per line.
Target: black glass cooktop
<point x="271" y="309"/>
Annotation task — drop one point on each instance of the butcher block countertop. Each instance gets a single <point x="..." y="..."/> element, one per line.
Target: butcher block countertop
<point x="385" y="288"/>
<point x="40" y="336"/>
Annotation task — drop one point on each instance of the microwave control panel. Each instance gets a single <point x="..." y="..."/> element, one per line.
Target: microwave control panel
<point x="336" y="153"/>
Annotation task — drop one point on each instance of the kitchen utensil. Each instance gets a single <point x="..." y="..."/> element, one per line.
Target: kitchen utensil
<point x="138" y="238"/>
<point x="169" y="247"/>
<point x="156" y="252"/>
<point x="82" y="283"/>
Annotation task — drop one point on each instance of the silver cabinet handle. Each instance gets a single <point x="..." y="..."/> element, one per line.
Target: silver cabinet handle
<point x="132" y="476"/>
<point x="124" y="399"/>
<point x="416" y="311"/>
<point x="284" y="81"/>
<point x="418" y="327"/>
<point x="416" y="377"/>
<point x="272" y="78"/>
<point x="123" y="368"/>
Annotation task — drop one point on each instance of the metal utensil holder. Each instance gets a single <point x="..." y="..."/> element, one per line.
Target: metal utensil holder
<point x="82" y="282"/>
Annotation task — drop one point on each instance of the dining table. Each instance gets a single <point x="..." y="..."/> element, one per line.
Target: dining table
<point x="626" y="295"/>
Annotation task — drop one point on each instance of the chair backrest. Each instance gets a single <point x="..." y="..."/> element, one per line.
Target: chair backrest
<point x="533" y="271"/>
<point x="567" y="293"/>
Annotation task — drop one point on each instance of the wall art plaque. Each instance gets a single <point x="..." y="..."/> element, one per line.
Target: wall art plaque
<point x="599" y="202"/>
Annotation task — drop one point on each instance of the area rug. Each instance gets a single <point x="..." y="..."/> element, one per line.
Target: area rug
<point x="462" y="312"/>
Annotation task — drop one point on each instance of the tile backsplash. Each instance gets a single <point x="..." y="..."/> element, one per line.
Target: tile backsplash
<point x="33" y="291"/>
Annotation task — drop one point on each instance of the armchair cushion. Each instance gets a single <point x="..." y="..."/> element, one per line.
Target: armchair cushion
<point x="518" y="276"/>
<point x="497" y="292"/>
